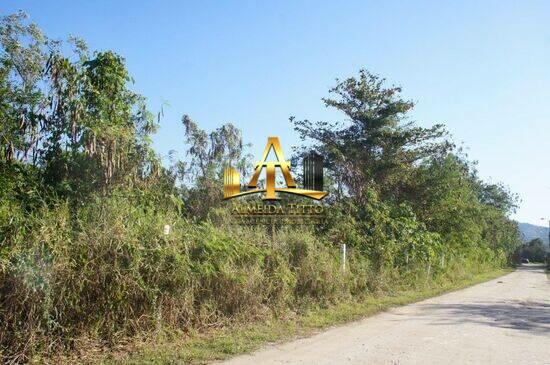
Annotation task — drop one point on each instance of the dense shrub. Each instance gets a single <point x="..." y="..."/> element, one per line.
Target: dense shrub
<point x="107" y="271"/>
<point x="84" y="199"/>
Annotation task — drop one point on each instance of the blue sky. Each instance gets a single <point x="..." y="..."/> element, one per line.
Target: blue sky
<point x="480" y="67"/>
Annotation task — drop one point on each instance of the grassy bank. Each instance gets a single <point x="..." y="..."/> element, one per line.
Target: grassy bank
<point x="105" y="279"/>
<point x="222" y="343"/>
<point x="88" y="266"/>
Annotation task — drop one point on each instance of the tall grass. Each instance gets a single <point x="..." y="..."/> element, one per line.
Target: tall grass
<point x="106" y="271"/>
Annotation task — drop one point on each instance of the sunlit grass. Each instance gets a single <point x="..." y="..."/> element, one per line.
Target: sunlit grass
<point x="225" y="342"/>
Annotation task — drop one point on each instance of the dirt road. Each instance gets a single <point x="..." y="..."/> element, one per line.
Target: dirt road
<point x="503" y="321"/>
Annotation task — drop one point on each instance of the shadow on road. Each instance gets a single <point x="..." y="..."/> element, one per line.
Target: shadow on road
<point x="522" y="315"/>
<point x="532" y="267"/>
<point x="518" y="315"/>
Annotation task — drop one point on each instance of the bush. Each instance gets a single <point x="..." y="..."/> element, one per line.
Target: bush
<point x="106" y="271"/>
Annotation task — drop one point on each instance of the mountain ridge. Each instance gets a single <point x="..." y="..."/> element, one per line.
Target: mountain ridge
<point x="532" y="231"/>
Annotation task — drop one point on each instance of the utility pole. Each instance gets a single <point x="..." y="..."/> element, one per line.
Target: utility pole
<point x="548" y="251"/>
<point x="548" y="231"/>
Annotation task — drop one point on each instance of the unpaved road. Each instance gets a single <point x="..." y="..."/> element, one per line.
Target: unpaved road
<point x="502" y="321"/>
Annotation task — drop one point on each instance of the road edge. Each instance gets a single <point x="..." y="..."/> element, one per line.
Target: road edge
<point x="224" y="343"/>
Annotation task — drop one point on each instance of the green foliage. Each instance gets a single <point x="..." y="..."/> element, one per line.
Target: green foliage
<point x="375" y="147"/>
<point x="411" y="193"/>
<point x="84" y="200"/>
<point x="534" y="251"/>
<point x="107" y="270"/>
<point x="75" y="120"/>
<point x="209" y="154"/>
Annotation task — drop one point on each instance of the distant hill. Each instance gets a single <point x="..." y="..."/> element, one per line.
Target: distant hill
<point x="530" y="231"/>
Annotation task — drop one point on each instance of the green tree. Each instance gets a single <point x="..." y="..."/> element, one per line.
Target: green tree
<point x="208" y="154"/>
<point x="534" y="250"/>
<point x="376" y="146"/>
<point x="410" y="189"/>
<point x="72" y="116"/>
<point x="448" y="196"/>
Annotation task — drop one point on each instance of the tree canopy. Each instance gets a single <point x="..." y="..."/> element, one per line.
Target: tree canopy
<point x="85" y="199"/>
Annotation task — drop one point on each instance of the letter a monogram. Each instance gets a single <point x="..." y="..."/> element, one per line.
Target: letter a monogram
<point x="232" y="184"/>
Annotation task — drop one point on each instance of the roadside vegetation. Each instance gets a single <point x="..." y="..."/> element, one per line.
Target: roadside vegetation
<point x="84" y="261"/>
<point x="534" y="251"/>
<point x="225" y="342"/>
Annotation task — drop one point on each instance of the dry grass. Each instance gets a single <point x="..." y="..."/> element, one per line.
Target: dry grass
<point x="78" y="285"/>
<point x="222" y="343"/>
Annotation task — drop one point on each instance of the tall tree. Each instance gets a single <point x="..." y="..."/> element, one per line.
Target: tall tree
<point x="208" y="154"/>
<point x="376" y="145"/>
<point x="71" y="115"/>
